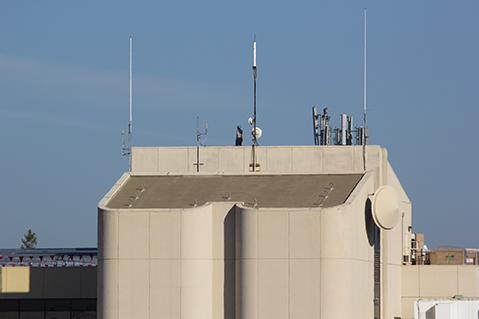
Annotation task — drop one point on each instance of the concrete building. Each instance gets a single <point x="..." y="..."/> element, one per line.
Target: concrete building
<point x="296" y="238"/>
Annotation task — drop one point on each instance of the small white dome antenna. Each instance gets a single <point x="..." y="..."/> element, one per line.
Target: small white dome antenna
<point x="256" y="132"/>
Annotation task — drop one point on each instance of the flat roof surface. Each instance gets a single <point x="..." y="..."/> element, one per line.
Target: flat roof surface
<point x="275" y="191"/>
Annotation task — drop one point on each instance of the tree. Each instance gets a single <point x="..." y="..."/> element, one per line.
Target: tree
<point x="30" y="241"/>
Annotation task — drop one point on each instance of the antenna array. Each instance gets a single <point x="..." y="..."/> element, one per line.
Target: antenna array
<point x="344" y="136"/>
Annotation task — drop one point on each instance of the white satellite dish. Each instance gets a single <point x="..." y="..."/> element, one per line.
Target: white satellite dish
<point x="258" y="132"/>
<point x="385" y="207"/>
<point x="250" y="121"/>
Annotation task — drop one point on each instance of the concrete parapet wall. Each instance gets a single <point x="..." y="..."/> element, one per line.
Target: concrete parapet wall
<point x="272" y="159"/>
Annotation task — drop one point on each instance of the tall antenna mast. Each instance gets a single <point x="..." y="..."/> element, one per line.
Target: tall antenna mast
<point x="255" y="144"/>
<point x="127" y="151"/>
<point x="365" y="127"/>
<point x="254" y="77"/>
<point x="130" y="126"/>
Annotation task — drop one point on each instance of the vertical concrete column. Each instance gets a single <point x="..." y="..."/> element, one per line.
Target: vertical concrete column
<point x="247" y="295"/>
<point x="107" y="293"/>
<point x="197" y="263"/>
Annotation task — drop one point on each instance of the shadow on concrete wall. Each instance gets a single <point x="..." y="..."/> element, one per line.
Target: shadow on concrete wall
<point x="229" y="296"/>
<point x="369" y="222"/>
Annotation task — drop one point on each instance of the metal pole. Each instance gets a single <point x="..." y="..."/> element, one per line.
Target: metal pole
<point x="254" y="120"/>
<point x="131" y="105"/>
<point x="198" y="137"/>
<point x="365" y="126"/>
<point x="315" y="126"/>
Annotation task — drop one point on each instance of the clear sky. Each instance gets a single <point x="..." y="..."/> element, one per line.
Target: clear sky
<point x="64" y="77"/>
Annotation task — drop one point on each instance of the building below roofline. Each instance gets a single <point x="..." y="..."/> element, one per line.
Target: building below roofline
<point x="48" y="283"/>
<point x="230" y="242"/>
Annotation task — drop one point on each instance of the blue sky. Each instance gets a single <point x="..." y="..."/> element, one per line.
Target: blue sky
<point x="64" y="78"/>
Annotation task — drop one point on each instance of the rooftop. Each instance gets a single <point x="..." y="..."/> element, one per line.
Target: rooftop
<point x="275" y="191"/>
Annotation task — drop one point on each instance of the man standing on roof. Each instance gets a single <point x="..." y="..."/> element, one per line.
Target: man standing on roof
<point x="239" y="136"/>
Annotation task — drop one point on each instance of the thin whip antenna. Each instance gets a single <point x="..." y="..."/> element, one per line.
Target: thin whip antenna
<point x="254" y="77"/>
<point x="130" y="126"/>
<point x="365" y="127"/>
<point x="127" y="151"/>
<point x="131" y="83"/>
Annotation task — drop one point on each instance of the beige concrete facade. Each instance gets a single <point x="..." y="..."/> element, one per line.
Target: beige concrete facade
<point x="226" y="259"/>
<point x="437" y="282"/>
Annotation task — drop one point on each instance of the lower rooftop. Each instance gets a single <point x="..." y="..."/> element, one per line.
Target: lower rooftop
<point x="268" y="191"/>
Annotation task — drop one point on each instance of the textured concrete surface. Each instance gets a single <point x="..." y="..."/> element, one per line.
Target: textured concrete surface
<point x="185" y="191"/>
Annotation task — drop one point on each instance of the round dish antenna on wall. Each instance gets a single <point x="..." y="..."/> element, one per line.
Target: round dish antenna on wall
<point x="256" y="132"/>
<point x="385" y="207"/>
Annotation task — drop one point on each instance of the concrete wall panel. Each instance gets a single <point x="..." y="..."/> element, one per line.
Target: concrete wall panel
<point x="273" y="288"/>
<point x="134" y="283"/>
<point x="108" y="289"/>
<point x="208" y="156"/>
<point x="145" y="159"/>
<point x="338" y="290"/>
<point x="171" y="159"/>
<point x="134" y="229"/>
<point x="232" y="160"/>
<point x="407" y="307"/>
<point x="165" y="288"/>
<point x="305" y="283"/>
<point x="431" y="287"/>
<point x="338" y="159"/>
<point x="164" y="235"/>
<point x="305" y="234"/>
<point x="307" y="159"/>
<point x="336" y="236"/>
<point x="395" y="249"/>
<point x="273" y="234"/>
<point x="279" y="159"/>
<point x="196" y="289"/>
<point x="394" y="293"/>
<point x="247" y="293"/>
<point x="410" y="281"/>
<point x="107" y="234"/>
<point x="466" y="279"/>
<point x="196" y="232"/>
<point x="374" y="163"/>
<point x="246" y="233"/>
